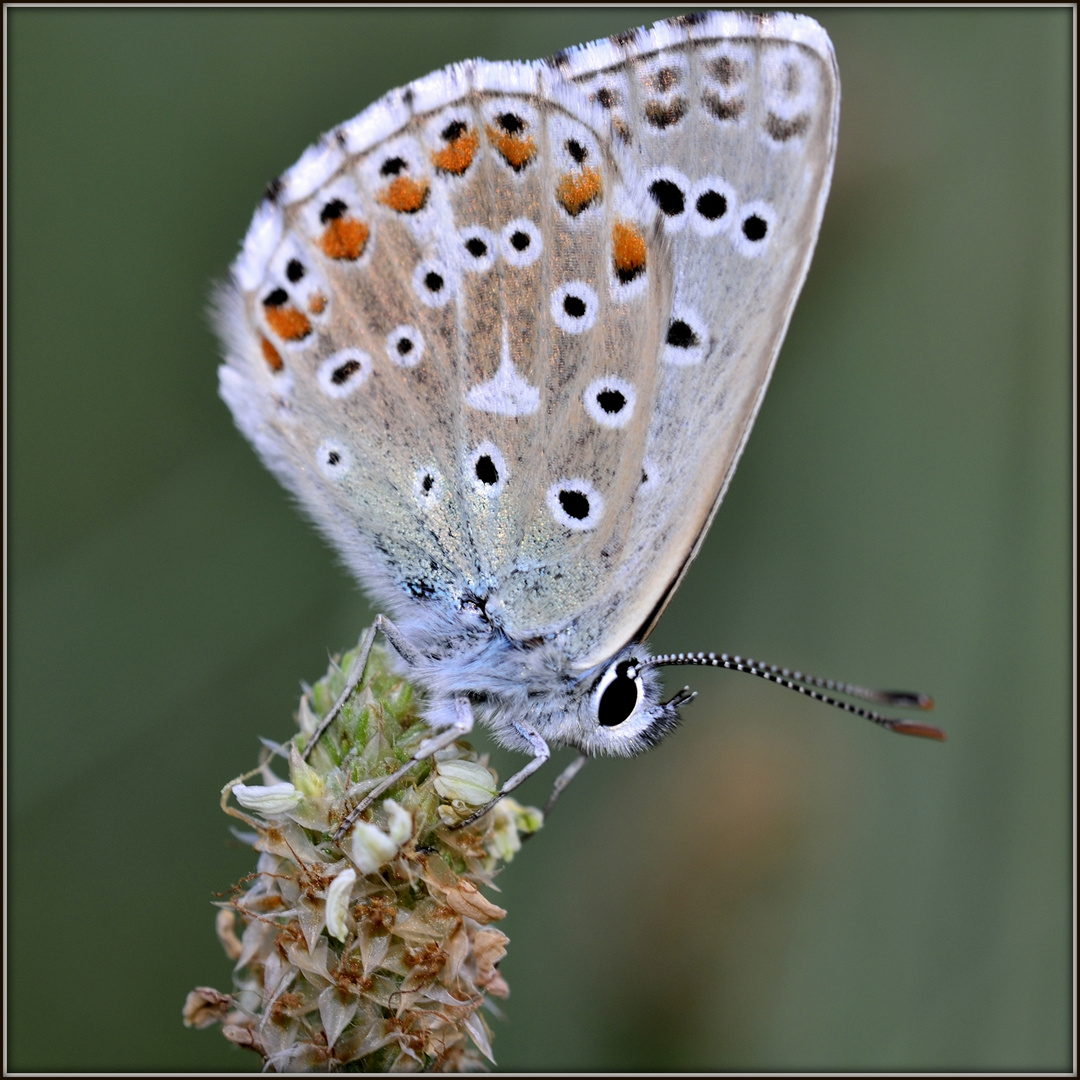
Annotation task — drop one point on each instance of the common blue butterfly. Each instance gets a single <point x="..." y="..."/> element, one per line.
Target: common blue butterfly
<point x="504" y="336"/>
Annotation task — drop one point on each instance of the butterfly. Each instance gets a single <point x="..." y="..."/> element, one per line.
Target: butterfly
<point x="504" y="336"/>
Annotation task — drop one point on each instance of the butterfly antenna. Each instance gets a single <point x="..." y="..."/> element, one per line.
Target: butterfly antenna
<point x="811" y="686"/>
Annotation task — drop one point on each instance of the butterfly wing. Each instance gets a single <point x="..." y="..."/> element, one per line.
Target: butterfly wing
<point x="436" y="333"/>
<point x="732" y="120"/>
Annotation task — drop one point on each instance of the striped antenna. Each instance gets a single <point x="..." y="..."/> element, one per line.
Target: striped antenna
<point x="807" y="684"/>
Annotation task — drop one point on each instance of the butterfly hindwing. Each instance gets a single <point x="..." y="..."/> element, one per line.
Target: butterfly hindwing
<point x="732" y="120"/>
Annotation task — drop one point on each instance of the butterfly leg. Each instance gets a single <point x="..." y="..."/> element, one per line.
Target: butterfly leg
<point x="541" y="752"/>
<point x="356" y="672"/>
<point x="563" y="781"/>
<point x="462" y="725"/>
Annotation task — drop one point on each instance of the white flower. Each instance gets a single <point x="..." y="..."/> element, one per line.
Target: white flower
<point x="371" y="847"/>
<point x="337" y="903"/>
<point x="272" y="800"/>
<point x="464" y="781"/>
<point x="398" y="823"/>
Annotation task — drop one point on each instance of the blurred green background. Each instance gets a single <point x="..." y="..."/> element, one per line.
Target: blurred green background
<point x="778" y="886"/>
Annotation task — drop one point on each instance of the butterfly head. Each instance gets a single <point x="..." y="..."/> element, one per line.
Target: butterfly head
<point x="620" y="710"/>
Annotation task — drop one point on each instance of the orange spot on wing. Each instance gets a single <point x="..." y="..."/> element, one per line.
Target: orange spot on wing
<point x="629" y="253"/>
<point x="517" y="150"/>
<point x="458" y="154"/>
<point x="288" y="323"/>
<point x="578" y="190"/>
<point x="344" y="238"/>
<point x="271" y="355"/>
<point x="317" y="304"/>
<point x="404" y="194"/>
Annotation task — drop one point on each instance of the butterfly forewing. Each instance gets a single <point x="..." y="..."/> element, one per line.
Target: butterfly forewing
<point x="445" y="335"/>
<point x="732" y="122"/>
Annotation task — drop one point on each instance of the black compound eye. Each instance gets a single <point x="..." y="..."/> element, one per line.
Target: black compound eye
<point x="620" y="697"/>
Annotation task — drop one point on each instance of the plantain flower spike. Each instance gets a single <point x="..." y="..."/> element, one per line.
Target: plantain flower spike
<point x="378" y="953"/>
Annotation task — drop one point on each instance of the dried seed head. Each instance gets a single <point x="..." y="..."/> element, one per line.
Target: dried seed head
<point x="378" y="956"/>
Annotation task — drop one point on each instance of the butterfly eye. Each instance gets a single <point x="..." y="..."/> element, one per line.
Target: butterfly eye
<point x="618" y="694"/>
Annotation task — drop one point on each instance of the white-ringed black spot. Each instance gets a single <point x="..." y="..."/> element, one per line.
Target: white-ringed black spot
<point x="339" y="375"/>
<point x="275" y="298"/>
<point x="714" y="204"/>
<point x="755" y="228"/>
<point x="433" y="283"/>
<point x="575" y="504"/>
<point x="686" y="338"/>
<point x="487" y="470"/>
<point x="610" y="401"/>
<point x="574" y="307"/>
<point x="294" y="270"/>
<point x="680" y="335"/>
<point x="393" y="166"/>
<point x="711" y="205"/>
<point x="668" y="196"/>
<point x="576" y="150"/>
<point x="333" y="460"/>
<point x="606" y="98"/>
<point x="479" y="248"/>
<point x="756" y="223"/>
<point x="520" y="242"/>
<point x="405" y="346"/>
<point x="511" y="123"/>
<point x="427" y="486"/>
